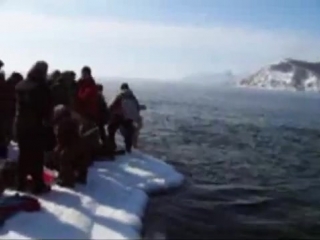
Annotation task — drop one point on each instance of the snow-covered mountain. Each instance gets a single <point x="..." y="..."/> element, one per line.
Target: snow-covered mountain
<point x="287" y="75"/>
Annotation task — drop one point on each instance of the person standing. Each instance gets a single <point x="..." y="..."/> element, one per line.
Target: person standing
<point x="124" y="112"/>
<point x="87" y="106"/>
<point x="4" y="116"/>
<point x="87" y="96"/>
<point x="104" y="115"/>
<point x="33" y="114"/>
<point x="12" y="82"/>
<point x="3" y="101"/>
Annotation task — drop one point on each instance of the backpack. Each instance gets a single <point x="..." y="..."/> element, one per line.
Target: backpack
<point x="130" y="109"/>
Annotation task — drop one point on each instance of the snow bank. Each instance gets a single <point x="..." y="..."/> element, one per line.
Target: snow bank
<point x="109" y="207"/>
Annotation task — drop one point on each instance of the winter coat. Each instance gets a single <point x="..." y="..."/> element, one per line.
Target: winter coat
<point x="34" y="110"/>
<point x="11" y="94"/>
<point x="87" y="99"/>
<point x="62" y="91"/>
<point x="126" y="105"/>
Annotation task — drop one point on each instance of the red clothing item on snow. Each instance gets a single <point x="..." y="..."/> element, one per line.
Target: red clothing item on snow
<point x="87" y="99"/>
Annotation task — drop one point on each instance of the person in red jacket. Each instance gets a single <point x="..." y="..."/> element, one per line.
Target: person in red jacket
<point x="87" y="106"/>
<point x="87" y="96"/>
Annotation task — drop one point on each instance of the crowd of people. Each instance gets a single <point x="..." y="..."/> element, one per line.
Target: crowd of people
<point x="59" y="123"/>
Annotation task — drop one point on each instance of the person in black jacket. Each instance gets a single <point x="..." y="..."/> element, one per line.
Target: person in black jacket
<point x="1" y="64"/>
<point x="51" y="79"/>
<point x="33" y="114"/>
<point x="4" y="116"/>
<point x="12" y="82"/>
<point x="63" y="88"/>
<point x="104" y="115"/>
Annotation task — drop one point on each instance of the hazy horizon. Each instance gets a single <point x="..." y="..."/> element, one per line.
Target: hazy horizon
<point x="158" y="39"/>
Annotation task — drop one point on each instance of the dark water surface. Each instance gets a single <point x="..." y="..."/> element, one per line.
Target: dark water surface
<point x="251" y="159"/>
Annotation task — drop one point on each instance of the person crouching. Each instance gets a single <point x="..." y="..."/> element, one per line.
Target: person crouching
<point x="70" y="155"/>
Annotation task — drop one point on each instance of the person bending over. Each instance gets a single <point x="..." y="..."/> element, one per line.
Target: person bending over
<point x="71" y="156"/>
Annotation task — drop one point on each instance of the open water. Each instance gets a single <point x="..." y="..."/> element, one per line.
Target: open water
<point x="251" y="159"/>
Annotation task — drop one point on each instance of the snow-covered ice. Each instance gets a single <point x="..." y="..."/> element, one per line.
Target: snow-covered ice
<point x="110" y="206"/>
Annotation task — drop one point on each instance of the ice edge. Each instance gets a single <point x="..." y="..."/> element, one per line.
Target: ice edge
<point x="111" y="206"/>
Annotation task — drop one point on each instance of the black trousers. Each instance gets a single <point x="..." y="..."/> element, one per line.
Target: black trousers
<point x="49" y="138"/>
<point x="114" y="125"/>
<point x="5" y="127"/>
<point x="31" y="161"/>
<point x="102" y="132"/>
